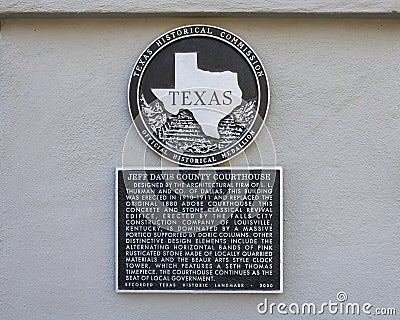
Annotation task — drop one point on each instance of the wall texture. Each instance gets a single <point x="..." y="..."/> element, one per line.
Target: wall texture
<point x="334" y="118"/>
<point x="179" y="7"/>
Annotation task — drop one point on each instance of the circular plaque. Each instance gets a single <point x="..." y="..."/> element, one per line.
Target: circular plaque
<point x="198" y="95"/>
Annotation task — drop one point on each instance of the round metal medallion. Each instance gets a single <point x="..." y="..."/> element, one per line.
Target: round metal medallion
<point x="198" y="95"/>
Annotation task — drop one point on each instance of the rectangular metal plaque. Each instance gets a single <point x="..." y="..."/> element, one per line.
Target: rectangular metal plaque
<point x="199" y="230"/>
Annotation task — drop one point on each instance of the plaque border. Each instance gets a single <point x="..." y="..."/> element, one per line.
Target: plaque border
<point x="278" y="168"/>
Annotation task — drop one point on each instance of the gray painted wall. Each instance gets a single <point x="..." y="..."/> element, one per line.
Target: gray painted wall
<point x="334" y="118"/>
<point x="179" y="7"/>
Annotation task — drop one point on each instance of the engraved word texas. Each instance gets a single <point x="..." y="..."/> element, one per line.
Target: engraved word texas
<point x="209" y="96"/>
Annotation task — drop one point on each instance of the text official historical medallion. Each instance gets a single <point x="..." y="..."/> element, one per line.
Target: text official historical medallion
<point x="198" y="96"/>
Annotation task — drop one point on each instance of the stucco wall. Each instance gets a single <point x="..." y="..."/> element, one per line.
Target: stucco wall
<point x="12" y="8"/>
<point x="334" y="118"/>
